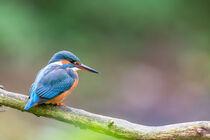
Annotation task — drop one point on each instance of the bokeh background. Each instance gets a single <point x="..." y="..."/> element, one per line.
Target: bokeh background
<point x="153" y="55"/>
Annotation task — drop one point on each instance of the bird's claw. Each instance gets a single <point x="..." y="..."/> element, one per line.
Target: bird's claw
<point x="61" y="104"/>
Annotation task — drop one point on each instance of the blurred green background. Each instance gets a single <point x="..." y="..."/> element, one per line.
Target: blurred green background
<point x="153" y="55"/>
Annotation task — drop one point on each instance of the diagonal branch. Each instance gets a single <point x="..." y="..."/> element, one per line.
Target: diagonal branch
<point x="107" y="125"/>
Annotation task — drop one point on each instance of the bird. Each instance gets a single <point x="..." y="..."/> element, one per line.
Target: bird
<point x="56" y="80"/>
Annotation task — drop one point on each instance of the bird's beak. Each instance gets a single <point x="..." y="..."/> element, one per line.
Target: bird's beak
<point x="86" y="68"/>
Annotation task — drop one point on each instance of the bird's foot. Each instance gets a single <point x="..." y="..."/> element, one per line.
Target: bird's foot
<point x="61" y="104"/>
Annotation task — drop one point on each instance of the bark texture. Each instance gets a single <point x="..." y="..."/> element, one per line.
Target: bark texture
<point x="108" y="125"/>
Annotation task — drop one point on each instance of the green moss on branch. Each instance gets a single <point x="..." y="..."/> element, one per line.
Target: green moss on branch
<point x="107" y="125"/>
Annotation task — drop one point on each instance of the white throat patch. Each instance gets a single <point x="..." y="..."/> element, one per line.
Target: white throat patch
<point x="75" y="69"/>
<point x="57" y="63"/>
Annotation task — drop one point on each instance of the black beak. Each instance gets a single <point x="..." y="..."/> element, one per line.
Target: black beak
<point x="86" y="68"/>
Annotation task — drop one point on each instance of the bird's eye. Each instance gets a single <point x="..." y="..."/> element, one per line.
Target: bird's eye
<point x="72" y="61"/>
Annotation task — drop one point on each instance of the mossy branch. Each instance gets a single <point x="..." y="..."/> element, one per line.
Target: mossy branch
<point x="107" y="125"/>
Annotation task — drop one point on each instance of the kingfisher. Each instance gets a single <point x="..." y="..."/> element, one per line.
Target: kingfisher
<point x="56" y="80"/>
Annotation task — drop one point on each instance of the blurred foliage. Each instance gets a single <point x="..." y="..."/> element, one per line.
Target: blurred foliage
<point x="40" y="26"/>
<point x="153" y="55"/>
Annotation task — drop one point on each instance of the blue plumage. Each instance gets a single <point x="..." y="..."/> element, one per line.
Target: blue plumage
<point x="51" y="81"/>
<point x="54" y="83"/>
<point x="32" y="100"/>
<point x="56" y="78"/>
<point x="64" y="55"/>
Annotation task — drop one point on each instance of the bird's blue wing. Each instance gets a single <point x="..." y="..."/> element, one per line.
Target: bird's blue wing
<point x="54" y="83"/>
<point x="50" y="82"/>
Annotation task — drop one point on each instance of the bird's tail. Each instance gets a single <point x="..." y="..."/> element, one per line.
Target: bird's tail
<point x="32" y="101"/>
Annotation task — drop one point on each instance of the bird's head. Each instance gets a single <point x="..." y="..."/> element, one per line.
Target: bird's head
<point x="68" y="58"/>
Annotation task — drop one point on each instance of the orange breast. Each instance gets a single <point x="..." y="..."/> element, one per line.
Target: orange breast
<point x="63" y="95"/>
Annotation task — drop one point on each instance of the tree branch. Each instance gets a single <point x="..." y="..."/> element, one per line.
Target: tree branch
<point x="107" y="125"/>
